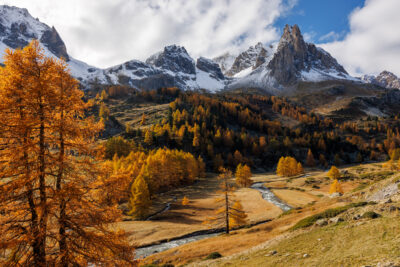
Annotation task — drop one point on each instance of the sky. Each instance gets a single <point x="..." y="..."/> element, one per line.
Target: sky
<point x="361" y="34"/>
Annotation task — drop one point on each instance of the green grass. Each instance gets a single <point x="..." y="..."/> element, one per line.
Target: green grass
<point x="329" y="213"/>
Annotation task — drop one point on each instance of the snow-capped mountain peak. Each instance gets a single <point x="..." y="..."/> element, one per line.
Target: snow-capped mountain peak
<point x="385" y="79"/>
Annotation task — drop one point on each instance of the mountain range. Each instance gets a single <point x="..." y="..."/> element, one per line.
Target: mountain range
<point x="274" y="68"/>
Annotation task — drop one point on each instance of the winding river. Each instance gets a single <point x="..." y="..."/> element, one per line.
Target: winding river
<point x="152" y="249"/>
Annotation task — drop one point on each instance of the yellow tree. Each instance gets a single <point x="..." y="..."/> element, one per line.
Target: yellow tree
<point x="148" y="137"/>
<point x="143" y="120"/>
<point x="226" y="214"/>
<point x="185" y="201"/>
<point x="237" y="215"/>
<point x="47" y="195"/>
<point x="335" y="187"/>
<point x="280" y="169"/>
<point x="243" y="175"/>
<point x="300" y="169"/>
<point x="334" y="173"/>
<point x="140" y="198"/>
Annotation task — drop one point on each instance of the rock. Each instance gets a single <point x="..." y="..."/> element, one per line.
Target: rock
<point x="319" y="239"/>
<point x="335" y="195"/>
<point x="321" y="222"/>
<point x="294" y="55"/>
<point x="305" y="255"/>
<point x="211" y="67"/>
<point x="272" y="252"/>
<point x="392" y="208"/>
<point x="335" y="220"/>
<point x="54" y="43"/>
<point x="385" y="79"/>
<point x="388" y="201"/>
<point x="174" y="58"/>
<point x="251" y="58"/>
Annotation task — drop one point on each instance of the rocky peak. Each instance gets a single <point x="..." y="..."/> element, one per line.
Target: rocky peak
<point x="209" y="66"/>
<point x="174" y="58"/>
<point x="294" y="56"/>
<point x="252" y="58"/>
<point x="385" y="79"/>
<point x="18" y="28"/>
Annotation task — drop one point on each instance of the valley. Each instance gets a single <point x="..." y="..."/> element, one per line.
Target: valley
<point x="274" y="155"/>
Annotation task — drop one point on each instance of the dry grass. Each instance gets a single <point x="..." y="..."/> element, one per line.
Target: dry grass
<point x="345" y="244"/>
<point x="181" y="220"/>
<point x="239" y="240"/>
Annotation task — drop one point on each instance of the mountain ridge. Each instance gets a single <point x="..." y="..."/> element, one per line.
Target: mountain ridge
<point x="271" y="68"/>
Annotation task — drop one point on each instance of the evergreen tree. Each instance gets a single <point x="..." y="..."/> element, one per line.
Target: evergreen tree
<point x="310" y="162"/>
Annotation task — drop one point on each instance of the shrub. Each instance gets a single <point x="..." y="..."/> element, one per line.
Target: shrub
<point x="371" y="215"/>
<point x="329" y="213"/>
<point x="214" y="255"/>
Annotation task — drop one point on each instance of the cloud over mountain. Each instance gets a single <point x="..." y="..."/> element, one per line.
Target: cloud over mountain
<point x="104" y="33"/>
<point x="373" y="43"/>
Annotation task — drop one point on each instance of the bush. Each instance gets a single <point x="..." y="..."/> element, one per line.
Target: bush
<point x="329" y="213"/>
<point x="370" y="215"/>
<point x="214" y="255"/>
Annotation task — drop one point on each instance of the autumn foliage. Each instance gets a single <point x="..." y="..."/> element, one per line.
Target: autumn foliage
<point x="334" y="173"/>
<point x="49" y="211"/>
<point x="230" y="213"/>
<point x="335" y="187"/>
<point x="288" y="166"/>
<point x="243" y="175"/>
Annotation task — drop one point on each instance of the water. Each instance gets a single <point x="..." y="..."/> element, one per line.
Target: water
<point x="150" y="250"/>
<point x="270" y="197"/>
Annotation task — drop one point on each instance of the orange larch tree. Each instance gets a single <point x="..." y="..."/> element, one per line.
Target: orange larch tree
<point x="49" y="213"/>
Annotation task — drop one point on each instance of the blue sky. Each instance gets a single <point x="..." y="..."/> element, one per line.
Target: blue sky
<point x="321" y="20"/>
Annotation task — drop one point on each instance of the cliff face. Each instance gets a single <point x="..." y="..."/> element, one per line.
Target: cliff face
<point x="294" y="56"/>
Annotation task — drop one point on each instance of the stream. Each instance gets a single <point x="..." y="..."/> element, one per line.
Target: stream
<point x="146" y="251"/>
<point x="269" y="196"/>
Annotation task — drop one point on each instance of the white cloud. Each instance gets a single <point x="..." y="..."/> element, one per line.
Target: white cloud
<point x="373" y="43"/>
<point x="105" y="32"/>
<point x="330" y="36"/>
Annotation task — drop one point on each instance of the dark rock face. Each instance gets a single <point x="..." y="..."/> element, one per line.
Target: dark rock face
<point x="211" y="67"/>
<point x="54" y="43"/>
<point x="174" y="58"/>
<point x="295" y="55"/>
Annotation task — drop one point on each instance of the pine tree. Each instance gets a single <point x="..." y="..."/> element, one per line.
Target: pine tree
<point x="337" y="160"/>
<point x="334" y="173"/>
<point x="140" y="198"/>
<point x="310" y="162"/>
<point x="243" y="175"/>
